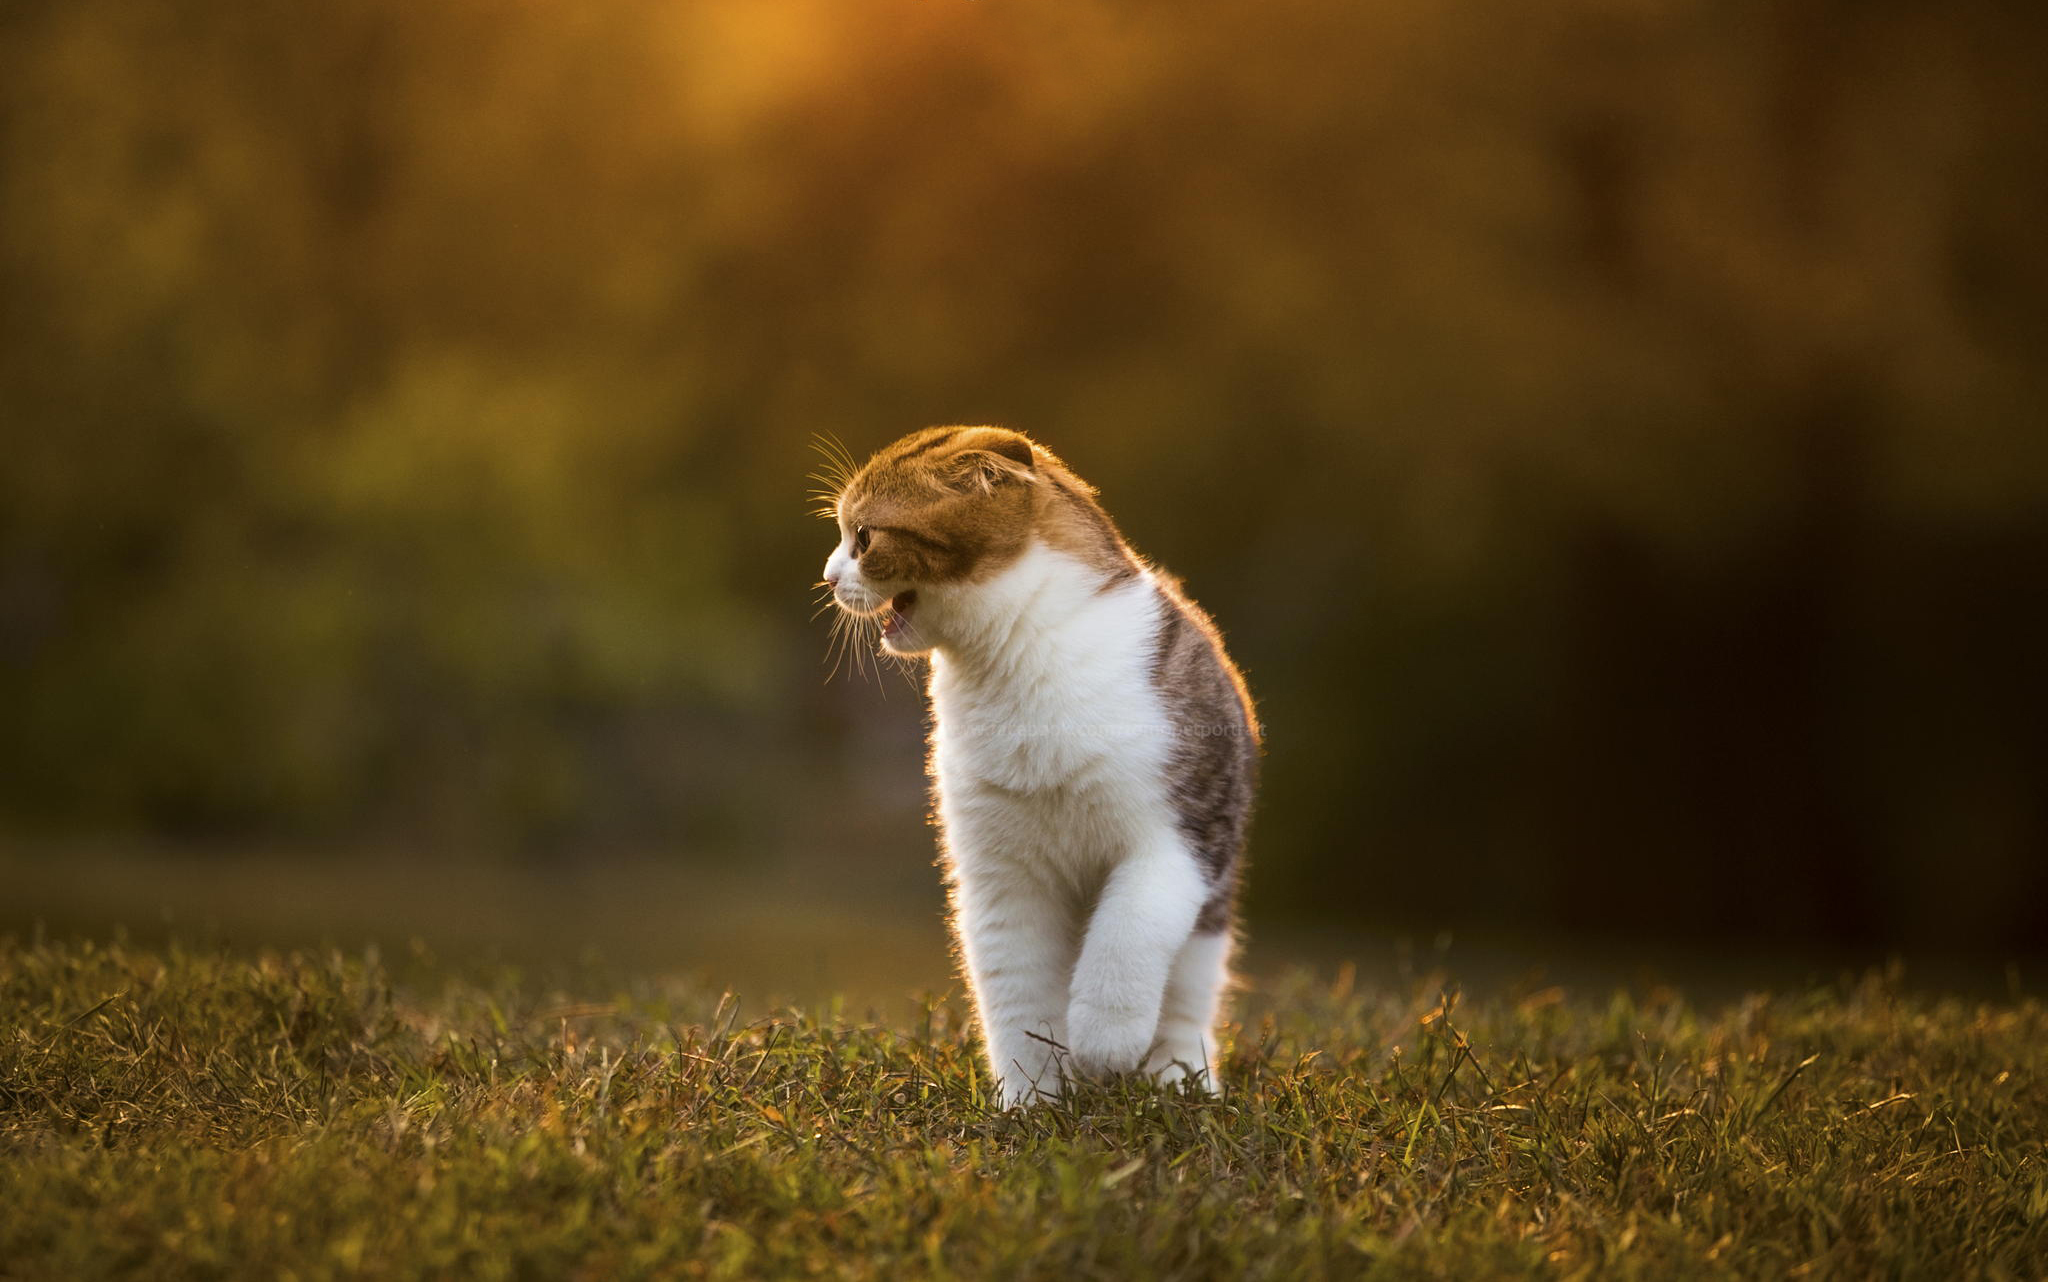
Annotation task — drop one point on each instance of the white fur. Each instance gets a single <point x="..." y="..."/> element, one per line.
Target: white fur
<point x="1074" y="893"/>
<point x="1194" y="997"/>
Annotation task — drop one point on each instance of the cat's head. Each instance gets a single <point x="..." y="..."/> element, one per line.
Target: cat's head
<point x="930" y="519"/>
<point x="941" y="508"/>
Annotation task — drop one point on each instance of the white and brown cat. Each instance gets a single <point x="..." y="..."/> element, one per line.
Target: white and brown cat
<point x="1093" y="753"/>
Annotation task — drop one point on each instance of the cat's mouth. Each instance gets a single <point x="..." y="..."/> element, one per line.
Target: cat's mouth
<point x="896" y="614"/>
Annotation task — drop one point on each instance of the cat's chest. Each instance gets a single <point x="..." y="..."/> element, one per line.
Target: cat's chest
<point x="1068" y="788"/>
<point x="1091" y="723"/>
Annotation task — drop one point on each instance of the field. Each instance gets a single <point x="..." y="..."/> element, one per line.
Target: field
<point x="195" y="1112"/>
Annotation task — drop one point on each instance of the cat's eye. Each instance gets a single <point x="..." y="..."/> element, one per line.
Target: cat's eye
<point x="860" y="539"/>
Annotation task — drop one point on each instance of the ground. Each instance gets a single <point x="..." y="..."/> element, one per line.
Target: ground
<point x="197" y="1112"/>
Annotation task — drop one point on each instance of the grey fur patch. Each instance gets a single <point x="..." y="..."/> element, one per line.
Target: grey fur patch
<point x="1212" y="773"/>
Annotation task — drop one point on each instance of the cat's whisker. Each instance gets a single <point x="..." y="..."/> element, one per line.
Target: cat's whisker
<point x="842" y="643"/>
<point x="835" y="452"/>
<point x="864" y="654"/>
<point x="832" y="642"/>
<point x="855" y="637"/>
<point x="855" y="642"/>
<point x="838" y="466"/>
<point x="907" y="666"/>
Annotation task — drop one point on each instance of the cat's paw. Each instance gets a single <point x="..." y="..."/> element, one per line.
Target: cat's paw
<point x="1197" y="1078"/>
<point x="1102" y="1042"/>
<point x="1020" y="1092"/>
<point x="1182" y="1056"/>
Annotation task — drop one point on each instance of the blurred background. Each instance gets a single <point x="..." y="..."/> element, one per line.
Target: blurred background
<point x="1610" y="433"/>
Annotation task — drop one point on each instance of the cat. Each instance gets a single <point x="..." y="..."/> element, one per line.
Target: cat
<point x="1093" y="754"/>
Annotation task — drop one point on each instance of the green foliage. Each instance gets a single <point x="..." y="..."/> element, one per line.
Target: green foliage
<point x="1611" y="430"/>
<point x="189" y="1114"/>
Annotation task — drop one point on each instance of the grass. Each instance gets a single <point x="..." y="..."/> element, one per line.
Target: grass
<point x="193" y="1113"/>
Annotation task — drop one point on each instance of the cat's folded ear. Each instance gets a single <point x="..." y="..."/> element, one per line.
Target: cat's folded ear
<point x="1014" y="447"/>
<point x="1004" y="462"/>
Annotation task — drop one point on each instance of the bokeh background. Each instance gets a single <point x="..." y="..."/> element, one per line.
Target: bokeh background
<point x="1610" y="432"/>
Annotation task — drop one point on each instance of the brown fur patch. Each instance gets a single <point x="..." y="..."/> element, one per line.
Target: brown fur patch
<point x="955" y="504"/>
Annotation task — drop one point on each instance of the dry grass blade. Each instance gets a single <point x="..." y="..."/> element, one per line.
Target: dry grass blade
<point x="310" y="1115"/>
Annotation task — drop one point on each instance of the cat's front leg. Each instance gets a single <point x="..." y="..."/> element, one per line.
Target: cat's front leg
<point x="1186" y="1046"/>
<point x="1146" y="913"/>
<point x="1017" y="939"/>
